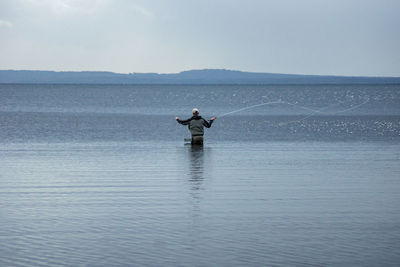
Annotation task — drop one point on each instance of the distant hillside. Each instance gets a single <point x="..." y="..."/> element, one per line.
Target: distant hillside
<point x="207" y="76"/>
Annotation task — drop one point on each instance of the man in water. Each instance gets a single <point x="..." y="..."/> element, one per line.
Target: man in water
<point x="196" y="126"/>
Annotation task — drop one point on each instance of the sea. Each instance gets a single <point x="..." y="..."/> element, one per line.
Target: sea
<point x="289" y="175"/>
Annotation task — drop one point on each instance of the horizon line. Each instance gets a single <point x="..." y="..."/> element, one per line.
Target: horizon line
<point x="204" y="69"/>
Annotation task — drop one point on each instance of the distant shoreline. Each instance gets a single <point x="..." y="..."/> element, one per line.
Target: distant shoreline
<point x="192" y="77"/>
<point x="200" y="84"/>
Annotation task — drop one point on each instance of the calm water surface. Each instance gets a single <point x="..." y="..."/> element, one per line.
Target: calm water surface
<point x="100" y="181"/>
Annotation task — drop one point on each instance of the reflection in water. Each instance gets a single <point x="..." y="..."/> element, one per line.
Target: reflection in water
<point x="196" y="154"/>
<point x="196" y="179"/>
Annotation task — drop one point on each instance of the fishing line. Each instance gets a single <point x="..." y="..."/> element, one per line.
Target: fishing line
<point x="314" y="111"/>
<point x="351" y="108"/>
<point x="250" y="107"/>
<point x="321" y="111"/>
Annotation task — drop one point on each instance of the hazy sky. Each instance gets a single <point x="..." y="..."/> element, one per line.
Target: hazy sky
<point x="340" y="37"/>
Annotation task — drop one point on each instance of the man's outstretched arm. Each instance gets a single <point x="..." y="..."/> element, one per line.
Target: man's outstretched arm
<point x="183" y="122"/>
<point x="208" y="123"/>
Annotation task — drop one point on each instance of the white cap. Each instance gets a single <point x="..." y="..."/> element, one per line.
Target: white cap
<point x="195" y="110"/>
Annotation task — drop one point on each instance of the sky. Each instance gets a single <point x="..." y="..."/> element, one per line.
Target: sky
<point x="325" y="37"/>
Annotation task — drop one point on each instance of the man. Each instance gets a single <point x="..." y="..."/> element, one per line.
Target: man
<point x="196" y="126"/>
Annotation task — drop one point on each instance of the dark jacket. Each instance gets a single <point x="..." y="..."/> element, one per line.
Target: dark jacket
<point x="196" y="125"/>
